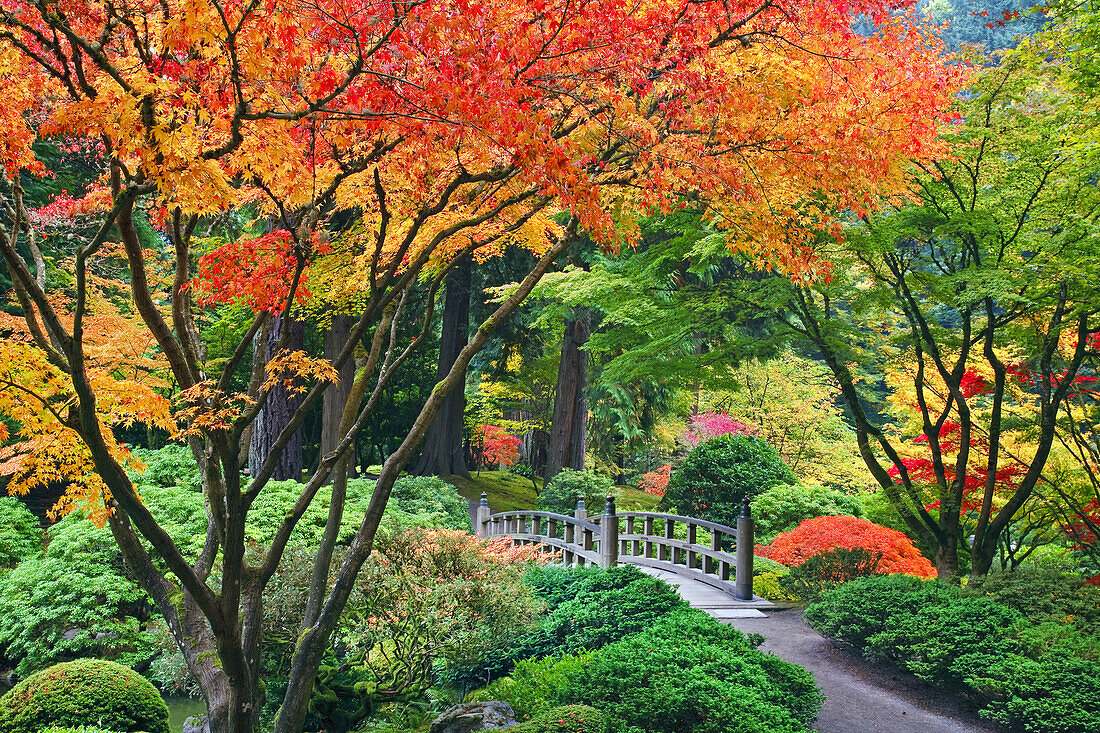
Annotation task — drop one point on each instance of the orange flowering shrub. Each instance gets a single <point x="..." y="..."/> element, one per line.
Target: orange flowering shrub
<point x="820" y="534"/>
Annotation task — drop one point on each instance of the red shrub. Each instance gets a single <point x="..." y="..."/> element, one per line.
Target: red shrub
<point x="655" y="482"/>
<point x="828" y="533"/>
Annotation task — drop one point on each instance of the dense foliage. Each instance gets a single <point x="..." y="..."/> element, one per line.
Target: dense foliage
<point x="634" y="651"/>
<point x="690" y="674"/>
<point x="895" y="552"/>
<point x="20" y="534"/>
<point x="561" y="494"/>
<point x="1036" y="677"/>
<point x="717" y="474"/>
<point x="87" y="691"/>
<point x="783" y="507"/>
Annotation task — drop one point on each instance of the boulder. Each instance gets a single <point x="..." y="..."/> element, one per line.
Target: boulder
<point x="196" y="724"/>
<point x="474" y="717"/>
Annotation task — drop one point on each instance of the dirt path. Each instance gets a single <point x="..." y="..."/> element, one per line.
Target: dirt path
<point x="861" y="696"/>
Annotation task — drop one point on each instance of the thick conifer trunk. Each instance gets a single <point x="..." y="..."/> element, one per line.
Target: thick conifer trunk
<point x="280" y="407"/>
<point x="567" y="428"/>
<point x="443" y="452"/>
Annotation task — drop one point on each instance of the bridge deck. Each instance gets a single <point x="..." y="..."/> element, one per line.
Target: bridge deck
<point x="718" y="604"/>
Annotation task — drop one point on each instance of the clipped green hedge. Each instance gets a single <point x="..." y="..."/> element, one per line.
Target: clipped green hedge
<point x="84" y="692"/>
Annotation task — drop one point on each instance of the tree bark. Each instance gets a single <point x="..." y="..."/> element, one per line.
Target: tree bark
<point x="443" y="452"/>
<point x="567" y="428"/>
<point x="281" y="406"/>
<point x="336" y="396"/>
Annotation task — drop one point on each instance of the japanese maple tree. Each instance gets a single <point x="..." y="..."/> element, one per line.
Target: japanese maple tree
<point x="373" y="145"/>
<point x="988" y="274"/>
<point x="896" y="552"/>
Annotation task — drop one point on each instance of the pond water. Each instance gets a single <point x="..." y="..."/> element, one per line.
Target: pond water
<point x="180" y="708"/>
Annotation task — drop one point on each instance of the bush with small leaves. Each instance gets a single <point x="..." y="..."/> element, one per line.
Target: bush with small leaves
<point x="691" y="674"/>
<point x="717" y="474"/>
<point x="534" y="684"/>
<point x="560" y="495"/>
<point x="84" y="692"/>
<point x="607" y="607"/>
<point x="827" y="570"/>
<point x="72" y="601"/>
<point x="857" y="611"/>
<point x="783" y="507"/>
<point x="20" y="533"/>
<point x="1042" y="592"/>
<point x="1057" y="693"/>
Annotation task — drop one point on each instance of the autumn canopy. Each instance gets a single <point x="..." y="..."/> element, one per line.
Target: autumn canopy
<point x="375" y="143"/>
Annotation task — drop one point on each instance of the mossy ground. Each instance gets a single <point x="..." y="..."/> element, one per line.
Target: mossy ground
<point x="508" y="492"/>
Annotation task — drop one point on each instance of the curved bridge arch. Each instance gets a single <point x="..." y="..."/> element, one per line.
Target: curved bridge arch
<point x="689" y="547"/>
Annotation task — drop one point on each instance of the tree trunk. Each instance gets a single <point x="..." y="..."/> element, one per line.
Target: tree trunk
<point x="280" y="407"/>
<point x="567" y="428"/>
<point x="337" y="395"/>
<point x="443" y="453"/>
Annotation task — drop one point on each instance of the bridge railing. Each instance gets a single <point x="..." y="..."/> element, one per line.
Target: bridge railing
<point x="687" y="546"/>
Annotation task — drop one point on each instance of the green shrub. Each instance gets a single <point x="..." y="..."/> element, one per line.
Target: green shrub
<point x="560" y="495"/>
<point x="556" y="584"/>
<point x="782" y="507"/>
<point x="827" y="570"/>
<point x="587" y="608"/>
<point x="427" y="501"/>
<point x="1042" y="592"/>
<point x="717" y="474"/>
<point x="1052" y="637"/>
<point x="565" y="719"/>
<point x="1056" y="694"/>
<point x="534" y="684"/>
<point x="857" y="611"/>
<point x="87" y="691"/>
<point x="768" y="585"/>
<point x="761" y="565"/>
<point x="72" y="601"/>
<point x="691" y="674"/>
<point x="172" y="465"/>
<point x="608" y="606"/>
<point x="20" y="534"/>
<point x="78" y="729"/>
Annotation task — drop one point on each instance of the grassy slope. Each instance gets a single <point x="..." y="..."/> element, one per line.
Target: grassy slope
<point x="508" y="492"/>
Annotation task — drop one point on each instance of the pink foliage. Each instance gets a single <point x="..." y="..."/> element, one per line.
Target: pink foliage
<point x="707" y="425"/>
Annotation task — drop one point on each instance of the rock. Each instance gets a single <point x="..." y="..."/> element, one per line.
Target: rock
<point x="196" y="724"/>
<point x="474" y="717"/>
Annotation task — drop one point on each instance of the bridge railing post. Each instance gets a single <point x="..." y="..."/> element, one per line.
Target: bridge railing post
<point x="580" y="512"/>
<point x="609" y="535"/>
<point x="745" y="542"/>
<point x="483" y="516"/>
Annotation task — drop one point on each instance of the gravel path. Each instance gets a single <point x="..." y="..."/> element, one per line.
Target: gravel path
<point x="861" y="696"/>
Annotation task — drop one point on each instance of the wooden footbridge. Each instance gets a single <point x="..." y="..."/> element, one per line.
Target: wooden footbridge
<point x="687" y="548"/>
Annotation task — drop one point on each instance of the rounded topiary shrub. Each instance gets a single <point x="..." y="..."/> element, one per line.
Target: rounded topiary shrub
<point x="560" y="495"/>
<point x="84" y="692"/>
<point x="718" y="474"/>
